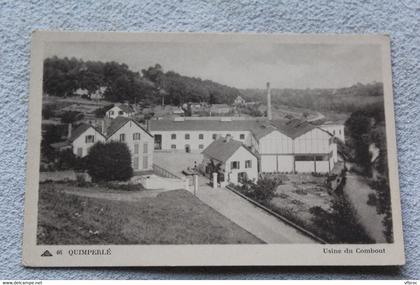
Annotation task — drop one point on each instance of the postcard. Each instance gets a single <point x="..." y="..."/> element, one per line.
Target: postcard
<point x="211" y="149"/>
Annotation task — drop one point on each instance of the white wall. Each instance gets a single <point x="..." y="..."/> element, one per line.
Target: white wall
<point x="194" y="140"/>
<point x="276" y="163"/>
<point x="241" y="155"/>
<point x="314" y="141"/>
<point x="275" y="142"/>
<point x="80" y="142"/>
<point x="114" y="112"/>
<point x="304" y="166"/>
<point x="336" y="130"/>
<point x="145" y="139"/>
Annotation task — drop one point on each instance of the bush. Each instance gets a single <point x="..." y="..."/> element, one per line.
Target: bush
<point x="109" y="162"/>
<point x="70" y="117"/>
<point x="66" y="160"/>
<point x="262" y="191"/>
<point x="101" y="112"/>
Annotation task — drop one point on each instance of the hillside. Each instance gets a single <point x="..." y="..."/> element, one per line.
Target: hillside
<point x="341" y="100"/>
<point x="64" y="76"/>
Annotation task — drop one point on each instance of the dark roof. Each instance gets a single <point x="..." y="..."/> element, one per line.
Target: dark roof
<point x="293" y="128"/>
<point x="79" y="131"/>
<point x="222" y="149"/>
<point x="119" y="122"/>
<point x="126" y="108"/>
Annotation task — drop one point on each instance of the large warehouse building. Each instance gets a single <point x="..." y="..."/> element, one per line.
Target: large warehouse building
<point x="281" y="146"/>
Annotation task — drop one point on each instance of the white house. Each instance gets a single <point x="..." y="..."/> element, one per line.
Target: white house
<point x="239" y="101"/>
<point x="83" y="137"/>
<point x="334" y="128"/>
<point x="138" y="140"/>
<point x="234" y="161"/>
<point x="121" y="110"/>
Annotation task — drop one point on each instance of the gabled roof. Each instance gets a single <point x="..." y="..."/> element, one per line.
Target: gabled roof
<point x="80" y="130"/>
<point x="262" y="130"/>
<point x="222" y="149"/>
<point x="293" y="128"/>
<point x="125" y="108"/>
<point x="119" y="122"/>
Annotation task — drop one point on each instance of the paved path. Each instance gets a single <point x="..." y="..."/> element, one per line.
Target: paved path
<point x="357" y="190"/>
<point x="253" y="219"/>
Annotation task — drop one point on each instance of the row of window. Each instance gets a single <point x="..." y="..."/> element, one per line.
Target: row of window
<point x="111" y="113"/>
<point x="324" y="157"/>
<point x="201" y="136"/>
<point x="237" y="164"/>
<point x="145" y="148"/>
<point x="91" y="138"/>
<point x="136" y="137"/>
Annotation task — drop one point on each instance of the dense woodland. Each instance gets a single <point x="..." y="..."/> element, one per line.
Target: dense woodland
<point x="63" y="76"/>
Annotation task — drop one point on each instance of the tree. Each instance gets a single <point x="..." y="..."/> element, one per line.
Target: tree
<point x="69" y="117"/>
<point x="383" y="205"/>
<point x="341" y="224"/>
<point x="109" y="162"/>
<point x="101" y="112"/>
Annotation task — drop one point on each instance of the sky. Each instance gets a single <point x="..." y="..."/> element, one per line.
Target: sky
<point x="241" y="65"/>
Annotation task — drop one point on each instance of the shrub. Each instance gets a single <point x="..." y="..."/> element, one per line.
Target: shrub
<point x="109" y="162"/>
<point x="262" y="191"/>
<point x="70" y="117"/>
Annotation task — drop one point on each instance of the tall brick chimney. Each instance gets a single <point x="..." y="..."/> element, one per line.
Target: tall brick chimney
<point x="269" y="115"/>
<point x="69" y="130"/>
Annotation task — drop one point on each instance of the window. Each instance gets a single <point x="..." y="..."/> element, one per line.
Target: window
<point x="304" y="158"/>
<point x="111" y="113"/>
<point x="242" y="136"/>
<point x="248" y="163"/>
<point x="200" y="136"/>
<point x="120" y="113"/>
<point x="122" y="137"/>
<point x="80" y="151"/>
<point x="187" y="136"/>
<point x="173" y="146"/>
<point x="145" y="148"/>
<point x="333" y="132"/>
<point x="173" y="136"/>
<point x="136" y="163"/>
<point x="136" y="136"/>
<point x="136" y="148"/>
<point x="145" y="162"/>
<point x="229" y="135"/>
<point x="200" y="146"/>
<point x="242" y="176"/>
<point x="90" y="139"/>
<point x="321" y="157"/>
<point x="214" y="136"/>
<point x="234" y="165"/>
<point x="339" y="131"/>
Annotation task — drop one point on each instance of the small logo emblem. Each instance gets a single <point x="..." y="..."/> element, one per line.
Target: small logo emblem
<point x="46" y="253"/>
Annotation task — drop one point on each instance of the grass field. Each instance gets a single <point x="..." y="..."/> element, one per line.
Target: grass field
<point x="173" y="217"/>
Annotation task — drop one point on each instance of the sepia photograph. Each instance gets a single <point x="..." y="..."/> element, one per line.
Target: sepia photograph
<point x="213" y="140"/>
